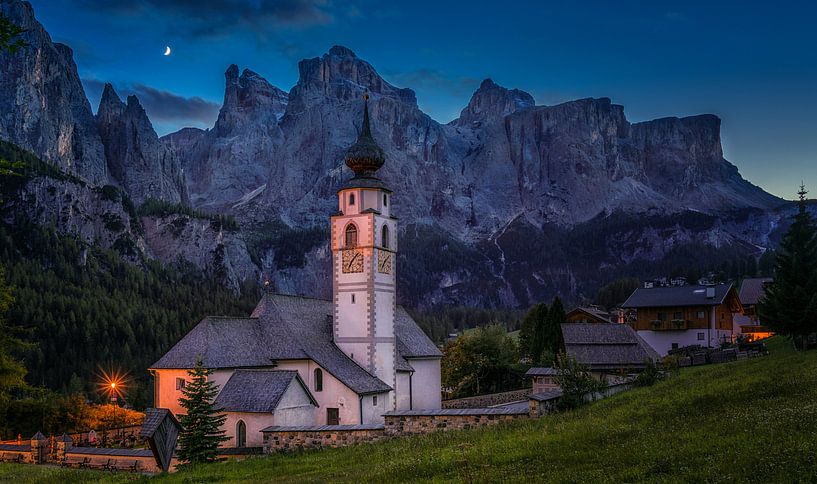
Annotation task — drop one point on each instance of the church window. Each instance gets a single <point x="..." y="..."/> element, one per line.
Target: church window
<point x="385" y="236"/>
<point x="351" y="199"/>
<point x="180" y="383"/>
<point x="351" y="235"/>
<point x="353" y="298"/>
<point x="240" y="434"/>
<point x="318" y="380"/>
<point x="374" y="401"/>
<point x="385" y="200"/>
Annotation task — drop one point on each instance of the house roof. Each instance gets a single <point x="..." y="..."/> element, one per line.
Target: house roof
<point x="606" y="346"/>
<point x="538" y="371"/>
<point x="290" y="328"/>
<point x="257" y="391"/>
<point x="593" y="312"/>
<point x="677" y="296"/>
<point x="752" y="290"/>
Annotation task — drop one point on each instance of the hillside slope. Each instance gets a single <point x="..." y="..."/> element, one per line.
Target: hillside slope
<point x="753" y="420"/>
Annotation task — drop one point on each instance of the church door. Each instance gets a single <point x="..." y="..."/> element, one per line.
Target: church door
<point x="332" y="416"/>
<point x="241" y="434"/>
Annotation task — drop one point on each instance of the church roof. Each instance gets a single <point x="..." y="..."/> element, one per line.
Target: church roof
<point x="257" y="391"/>
<point x="289" y="328"/>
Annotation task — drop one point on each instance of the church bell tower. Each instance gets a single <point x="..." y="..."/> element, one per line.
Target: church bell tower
<point x="364" y="253"/>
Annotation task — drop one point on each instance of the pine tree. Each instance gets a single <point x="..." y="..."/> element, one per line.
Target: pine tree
<point x="556" y="318"/>
<point x="201" y="431"/>
<point x="527" y="333"/>
<point x="790" y="305"/>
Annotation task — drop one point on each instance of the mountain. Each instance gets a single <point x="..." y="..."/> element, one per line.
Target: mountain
<point x="43" y="107"/>
<point x="508" y="204"/>
<point x="144" y="166"/>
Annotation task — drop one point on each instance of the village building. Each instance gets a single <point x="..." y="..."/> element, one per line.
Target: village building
<point x="610" y="351"/>
<point x="747" y="323"/>
<point x="299" y="361"/>
<point x="589" y="314"/>
<point x="674" y="317"/>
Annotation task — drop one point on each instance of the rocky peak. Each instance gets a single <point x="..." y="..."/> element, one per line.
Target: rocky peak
<point x="136" y="159"/>
<point x="249" y="99"/>
<point x="491" y="102"/>
<point x="43" y="104"/>
<point x="341" y="75"/>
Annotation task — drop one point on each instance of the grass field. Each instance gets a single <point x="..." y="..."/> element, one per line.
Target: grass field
<point x="752" y="420"/>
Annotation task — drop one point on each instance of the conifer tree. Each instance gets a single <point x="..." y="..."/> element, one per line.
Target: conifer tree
<point x="528" y="341"/>
<point x="790" y="305"/>
<point x="10" y="35"/>
<point x="201" y="432"/>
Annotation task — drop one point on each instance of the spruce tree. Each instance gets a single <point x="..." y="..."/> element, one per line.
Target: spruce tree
<point x="553" y="331"/>
<point x="790" y="304"/>
<point x="527" y="333"/>
<point x="201" y="432"/>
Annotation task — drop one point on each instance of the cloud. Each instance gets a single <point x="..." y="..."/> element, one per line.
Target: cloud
<point x="218" y="18"/>
<point x="434" y="80"/>
<point x="161" y="106"/>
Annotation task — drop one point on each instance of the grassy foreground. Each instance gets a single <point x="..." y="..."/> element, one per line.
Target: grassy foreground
<point x="753" y="420"/>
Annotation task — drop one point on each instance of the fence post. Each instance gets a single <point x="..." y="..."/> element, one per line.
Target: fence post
<point x="64" y="443"/>
<point x="39" y="454"/>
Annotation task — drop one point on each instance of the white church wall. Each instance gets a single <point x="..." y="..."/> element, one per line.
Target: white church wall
<point x="295" y="407"/>
<point x="425" y="383"/>
<point x="334" y="394"/>
<point x="402" y="394"/>
<point x="373" y="410"/>
<point x="254" y="422"/>
<point x="165" y="393"/>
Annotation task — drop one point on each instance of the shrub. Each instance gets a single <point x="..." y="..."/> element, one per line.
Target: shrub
<point x="576" y="381"/>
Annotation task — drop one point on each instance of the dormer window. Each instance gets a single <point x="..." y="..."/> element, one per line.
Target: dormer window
<point x="385" y="236"/>
<point x="351" y="199"/>
<point x="351" y="235"/>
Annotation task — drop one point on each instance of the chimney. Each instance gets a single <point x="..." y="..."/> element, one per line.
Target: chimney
<point x="710" y="293"/>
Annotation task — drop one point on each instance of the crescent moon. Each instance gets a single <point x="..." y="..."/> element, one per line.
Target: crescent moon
<point x="167" y="50"/>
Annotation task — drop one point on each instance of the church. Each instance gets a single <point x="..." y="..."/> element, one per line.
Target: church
<point x="299" y="361"/>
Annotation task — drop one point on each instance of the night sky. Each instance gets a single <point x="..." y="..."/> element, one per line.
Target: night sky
<point x="754" y="64"/>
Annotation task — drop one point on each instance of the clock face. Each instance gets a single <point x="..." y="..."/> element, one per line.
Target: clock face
<point x="384" y="262"/>
<point x="352" y="261"/>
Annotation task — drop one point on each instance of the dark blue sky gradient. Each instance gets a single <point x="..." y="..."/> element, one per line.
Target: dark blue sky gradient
<point x="754" y="64"/>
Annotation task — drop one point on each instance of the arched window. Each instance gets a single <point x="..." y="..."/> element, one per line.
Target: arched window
<point x="384" y="239"/>
<point x="351" y="235"/>
<point x="385" y="200"/>
<point x="351" y="199"/>
<point x="240" y="434"/>
<point x="318" y="380"/>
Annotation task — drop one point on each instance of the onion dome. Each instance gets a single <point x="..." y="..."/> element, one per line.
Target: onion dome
<point x="365" y="156"/>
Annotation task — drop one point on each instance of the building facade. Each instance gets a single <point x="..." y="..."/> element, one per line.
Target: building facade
<point x="303" y="361"/>
<point x="673" y="317"/>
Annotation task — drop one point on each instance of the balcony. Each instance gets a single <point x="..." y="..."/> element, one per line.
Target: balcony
<point x="669" y="325"/>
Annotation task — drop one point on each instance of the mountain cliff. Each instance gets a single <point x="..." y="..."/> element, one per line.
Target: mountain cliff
<point x="136" y="159"/>
<point x="508" y="204"/>
<point x="43" y="107"/>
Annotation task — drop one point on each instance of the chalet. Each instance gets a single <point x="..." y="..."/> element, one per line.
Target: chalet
<point x="589" y="314"/>
<point x="747" y="324"/>
<point x="673" y="317"/>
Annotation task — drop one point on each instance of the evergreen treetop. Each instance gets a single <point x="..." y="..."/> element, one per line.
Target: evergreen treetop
<point x="201" y="432"/>
<point x="790" y="304"/>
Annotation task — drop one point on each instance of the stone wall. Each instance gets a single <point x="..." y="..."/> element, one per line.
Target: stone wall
<point x="319" y="437"/>
<point x="488" y="400"/>
<point x="424" y="422"/>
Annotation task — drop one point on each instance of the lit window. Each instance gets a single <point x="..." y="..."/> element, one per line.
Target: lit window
<point x="385" y="236"/>
<point x="351" y="199"/>
<point x="318" y="380"/>
<point x="351" y="235"/>
<point x="180" y="383"/>
<point x="374" y="401"/>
